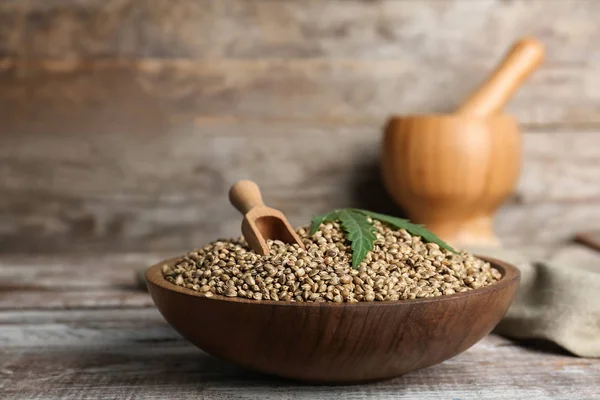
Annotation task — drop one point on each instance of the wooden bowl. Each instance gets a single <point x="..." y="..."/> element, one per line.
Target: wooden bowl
<point x="452" y="172"/>
<point x="342" y="343"/>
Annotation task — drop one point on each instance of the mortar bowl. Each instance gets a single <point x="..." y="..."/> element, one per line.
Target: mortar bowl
<point x="452" y="172"/>
<point x="334" y="343"/>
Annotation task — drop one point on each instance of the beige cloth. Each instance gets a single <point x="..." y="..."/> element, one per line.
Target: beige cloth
<point x="558" y="299"/>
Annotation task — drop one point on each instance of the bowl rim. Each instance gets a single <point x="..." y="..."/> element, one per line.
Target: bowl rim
<point x="510" y="275"/>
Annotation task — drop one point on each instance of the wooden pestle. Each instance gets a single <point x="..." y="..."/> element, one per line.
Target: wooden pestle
<point x="522" y="59"/>
<point x="260" y="222"/>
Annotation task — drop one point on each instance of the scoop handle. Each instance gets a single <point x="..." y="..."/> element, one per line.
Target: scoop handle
<point x="245" y="195"/>
<point x="524" y="57"/>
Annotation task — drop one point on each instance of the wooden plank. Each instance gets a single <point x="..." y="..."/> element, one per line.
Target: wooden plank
<point x="75" y="299"/>
<point x="43" y="273"/>
<point x="74" y="282"/>
<point x="145" y="317"/>
<point x="166" y="95"/>
<point x="558" y="167"/>
<point x="107" y="353"/>
<point x="84" y="282"/>
<point x="151" y="192"/>
<point x="458" y="30"/>
<point x="100" y="328"/>
<point x="550" y="223"/>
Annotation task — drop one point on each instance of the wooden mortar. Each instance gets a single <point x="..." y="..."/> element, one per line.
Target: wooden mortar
<point x="452" y="172"/>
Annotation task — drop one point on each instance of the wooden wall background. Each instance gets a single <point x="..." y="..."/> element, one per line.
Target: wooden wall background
<point x="123" y="122"/>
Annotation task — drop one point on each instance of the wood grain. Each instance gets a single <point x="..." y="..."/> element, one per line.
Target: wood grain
<point x="133" y="353"/>
<point x="46" y="273"/>
<point x="561" y="168"/>
<point x="73" y="299"/>
<point x="451" y="173"/>
<point x="74" y="282"/>
<point x="331" y="343"/>
<point x="104" y="354"/>
<point x="128" y="192"/>
<point x="260" y="222"/>
<point x="80" y="282"/>
<point x="457" y="30"/>
<point x="520" y="61"/>
<point x="124" y="121"/>
<point x="139" y="95"/>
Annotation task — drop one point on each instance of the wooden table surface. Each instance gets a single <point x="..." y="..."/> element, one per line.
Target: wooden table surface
<point x="77" y="327"/>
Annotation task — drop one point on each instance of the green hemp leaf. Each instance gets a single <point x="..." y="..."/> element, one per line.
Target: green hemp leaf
<point x="361" y="232"/>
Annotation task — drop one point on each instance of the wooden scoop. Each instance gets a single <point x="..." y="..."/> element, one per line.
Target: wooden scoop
<point x="260" y="222"/>
<point x="524" y="57"/>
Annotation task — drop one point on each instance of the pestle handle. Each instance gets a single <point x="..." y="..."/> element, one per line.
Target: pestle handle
<point x="245" y="195"/>
<point x="524" y="57"/>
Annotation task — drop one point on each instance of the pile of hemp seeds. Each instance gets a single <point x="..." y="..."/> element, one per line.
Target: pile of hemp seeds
<point x="400" y="267"/>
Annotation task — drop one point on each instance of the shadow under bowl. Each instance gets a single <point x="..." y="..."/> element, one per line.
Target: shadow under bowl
<point x="335" y="343"/>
